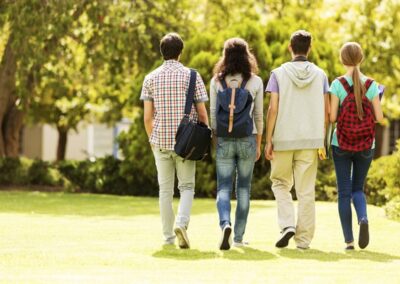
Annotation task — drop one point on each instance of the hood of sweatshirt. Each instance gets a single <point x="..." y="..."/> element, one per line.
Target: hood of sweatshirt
<point x="302" y="73"/>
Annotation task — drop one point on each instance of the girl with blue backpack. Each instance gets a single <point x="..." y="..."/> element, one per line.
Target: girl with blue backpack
<point x="236" y="106"/>
<point x="355" y="106"/>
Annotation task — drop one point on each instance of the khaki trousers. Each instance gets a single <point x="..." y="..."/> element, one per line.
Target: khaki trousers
<point x="300" y="167"/>
<point x="168" y="163"/>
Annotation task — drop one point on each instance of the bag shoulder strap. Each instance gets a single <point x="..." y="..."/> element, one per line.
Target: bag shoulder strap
<point x="368" y="83"/>
<point x="223" y="83"/>
<point x="345" y="84"/>
<point x="190" y="92"/>
<point x="244" y="83"/>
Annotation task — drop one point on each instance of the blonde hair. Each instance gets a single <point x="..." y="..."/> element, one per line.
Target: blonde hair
<point x="351" y="54"/>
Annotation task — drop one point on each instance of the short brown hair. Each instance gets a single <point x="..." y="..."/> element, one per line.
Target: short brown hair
<point x="300" y="41"/>
<point x="171" y="46"/>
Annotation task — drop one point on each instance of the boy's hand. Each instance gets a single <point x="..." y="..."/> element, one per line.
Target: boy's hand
<point x="322" y="153"/>
<point x="258" y="153"/>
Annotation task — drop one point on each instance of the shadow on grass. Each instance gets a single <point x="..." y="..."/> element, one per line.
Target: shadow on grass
<point x="251" y="254"/>
<point x="248" y="253"/>
<point x="171" y="252"/>
<point x="319" y="255"/>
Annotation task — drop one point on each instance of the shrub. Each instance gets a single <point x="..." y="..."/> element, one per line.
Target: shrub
<point x="376" y="181"/>
<point x="79" y="174"/>
<point x="384" y="177"/>
<point x="138" y="167"/>
<point x="383" y="183"/>
<point x="206" y="178"/>
<point x="14" y="171"/>
<point x="392" y="208"/>
<point x="325" y="185"/>
<point x="261" y="184"/>
<point x="43" y="173"/>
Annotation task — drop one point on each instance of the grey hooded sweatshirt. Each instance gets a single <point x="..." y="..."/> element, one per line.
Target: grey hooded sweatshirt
<point x="301" y="113"/>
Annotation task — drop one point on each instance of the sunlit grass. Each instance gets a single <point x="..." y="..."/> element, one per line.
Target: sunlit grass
<point x="83" y="238"/>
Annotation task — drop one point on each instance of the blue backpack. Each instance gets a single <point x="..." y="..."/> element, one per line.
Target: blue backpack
<point x="233" y="112"/>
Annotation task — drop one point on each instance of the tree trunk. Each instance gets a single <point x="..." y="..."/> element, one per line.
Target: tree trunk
<point x="12" y="130"/>
<point x="8" y="69"/>
<point x="62" y="143"/>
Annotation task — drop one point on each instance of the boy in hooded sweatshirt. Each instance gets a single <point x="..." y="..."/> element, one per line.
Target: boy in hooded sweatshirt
<point x="295" y="131"/>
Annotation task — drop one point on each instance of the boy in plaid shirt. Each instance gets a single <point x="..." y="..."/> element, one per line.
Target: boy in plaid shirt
<point x="164" y="95"/>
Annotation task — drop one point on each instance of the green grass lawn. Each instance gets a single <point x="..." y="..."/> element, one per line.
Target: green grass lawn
<point x="82" y="238"/>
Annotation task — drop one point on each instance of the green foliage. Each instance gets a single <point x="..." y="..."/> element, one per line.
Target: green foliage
<point x="14" y="171"/>
<point x="377" y="29"/>
<point x="43" y="173"/>
<point x="25" y="172"/>
<point x="325" y="186"/>
<point x="138" y="166"/>
<point x="261" y="183"/>
<point x="101" y="176"/>
<point x="383" y="182"/>
<point x="376" y="181"/>
<point x="392" y="208"/>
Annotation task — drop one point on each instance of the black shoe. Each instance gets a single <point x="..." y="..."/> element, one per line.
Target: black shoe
<point x="363" y="238"/>
<point x="286" y="235"/>
<point x="226" y="239"/>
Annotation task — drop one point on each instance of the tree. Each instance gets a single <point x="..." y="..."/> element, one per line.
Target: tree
<point x="32" y="38"/>
<point x="377" y="29"/>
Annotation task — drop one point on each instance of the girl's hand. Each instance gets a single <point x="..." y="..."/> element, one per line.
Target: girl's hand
<point x="269" y="151"/>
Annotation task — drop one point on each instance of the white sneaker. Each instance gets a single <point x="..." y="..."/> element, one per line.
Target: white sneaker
<point x="240" y="244"/>
<point x="183" y="239"/>
<point x="286" y="235"/>
<point x="226" y="238"/>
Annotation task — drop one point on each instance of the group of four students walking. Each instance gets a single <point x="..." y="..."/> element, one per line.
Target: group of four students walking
<point x="301" y="105"/>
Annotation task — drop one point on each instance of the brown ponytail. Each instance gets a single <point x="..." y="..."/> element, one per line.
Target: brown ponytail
<point x="359" y="92"/>
<point x="351" y="55"/>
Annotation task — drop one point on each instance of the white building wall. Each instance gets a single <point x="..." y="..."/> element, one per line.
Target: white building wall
<point x="91" y="140"/>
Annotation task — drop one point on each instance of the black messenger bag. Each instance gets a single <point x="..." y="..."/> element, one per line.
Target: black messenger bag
<point x="193" y="139"/>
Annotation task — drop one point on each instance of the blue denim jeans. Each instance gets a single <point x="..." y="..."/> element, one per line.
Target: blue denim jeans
<point x="235" y="157"/>
<point x="351" y="171"/>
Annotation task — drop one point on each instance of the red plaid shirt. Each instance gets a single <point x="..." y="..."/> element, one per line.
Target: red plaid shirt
<point x="167" y="86"/>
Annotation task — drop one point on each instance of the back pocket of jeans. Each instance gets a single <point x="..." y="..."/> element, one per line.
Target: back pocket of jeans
<point x="339" y="151"/>
<point x="222" y="149"/>
<point x="247" y="149"/>
<point x="367" y="154"/>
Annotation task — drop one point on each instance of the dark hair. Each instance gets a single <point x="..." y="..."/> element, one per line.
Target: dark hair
<point x="171" y="46"/>
<point x="300" y="41"/>
<point x="236" y="58"/>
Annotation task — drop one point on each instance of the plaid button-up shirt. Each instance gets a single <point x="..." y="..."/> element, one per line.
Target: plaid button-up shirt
<point x="167" y="86"/>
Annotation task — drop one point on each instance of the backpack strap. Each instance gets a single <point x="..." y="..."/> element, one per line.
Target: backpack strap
<point x="368" y="83"/>
<point x="244" y="83"/>
<point x="232" y="110"/>
<point x="345" y="84"/>
<point x="190" y="92"/>
<point x="223" y="83"/>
